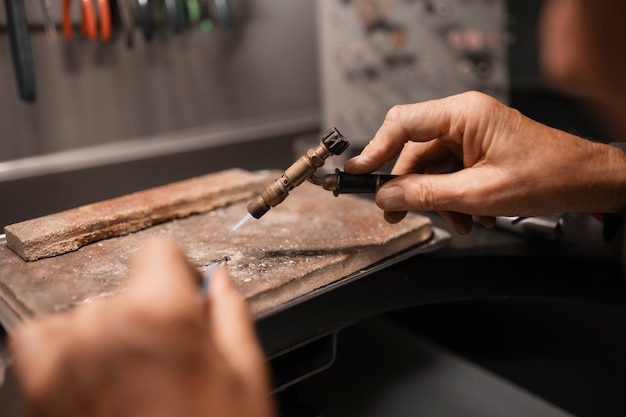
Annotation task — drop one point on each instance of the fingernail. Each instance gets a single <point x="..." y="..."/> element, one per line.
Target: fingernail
<point x="391" y="198"/>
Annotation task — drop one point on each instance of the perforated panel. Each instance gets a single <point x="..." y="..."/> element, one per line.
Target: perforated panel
<point x="377" y="53"/>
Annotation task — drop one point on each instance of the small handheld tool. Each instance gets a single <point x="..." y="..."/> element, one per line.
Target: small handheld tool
<point x="333" y="143"/>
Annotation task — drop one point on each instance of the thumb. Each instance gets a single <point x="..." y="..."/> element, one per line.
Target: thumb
<point x="436" y="192"/>
<point x="232" y="324"/>
<point x="235" y="338"/>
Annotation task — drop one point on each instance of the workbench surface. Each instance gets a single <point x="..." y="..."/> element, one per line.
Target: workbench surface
<point x="309" y="241"/>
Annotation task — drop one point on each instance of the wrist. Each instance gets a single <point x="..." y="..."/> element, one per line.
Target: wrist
<point x="617" y="175"/>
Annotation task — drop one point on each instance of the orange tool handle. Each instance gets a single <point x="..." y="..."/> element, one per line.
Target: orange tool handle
<point x="88" y="26"/>
<point x="67" y="20"/>
<point x="104" y="12"/>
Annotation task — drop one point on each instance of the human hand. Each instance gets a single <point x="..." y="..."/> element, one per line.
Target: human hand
<point x="491" y="161"/>
<point x="155" y="349"/>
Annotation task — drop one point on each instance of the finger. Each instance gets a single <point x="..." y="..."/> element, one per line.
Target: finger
<point x="412" y="159"/>
<point x="425" y="157"/>
<point x="394" y="217"/>
<point x="162" y="280"/>
<point x="487" y="221"/>
<point x="461" y="223"/>
<point x="235" y="337"/>
<point x="476" y="191"/>
<point x="419" y="122"/>
<point x="386" y="146"/>
<point x="233" y="330"/>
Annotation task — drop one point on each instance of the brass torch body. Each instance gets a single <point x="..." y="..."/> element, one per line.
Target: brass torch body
<point x="276" y="192"/>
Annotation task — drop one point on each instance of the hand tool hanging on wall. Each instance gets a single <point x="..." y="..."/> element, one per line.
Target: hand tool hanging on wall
<point x="104" y="17"/>
<point x="88" y="26"/>
<point x="145" y="14"/>
<point x="148" y="16"/>
<point x="222" y="12"/>
<point x="127" y="19"/>
<point x="89" y="20"/>
<point x="50" y="26"/>
<point x="66" y="18"/>
<point x="174" y="15"/>
<point x="20" y="49"/>
<point x="145" y="18"/>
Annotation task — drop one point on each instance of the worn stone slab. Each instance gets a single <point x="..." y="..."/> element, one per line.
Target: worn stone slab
<point x="68" y="230"/>
<point x="311" y="240"/>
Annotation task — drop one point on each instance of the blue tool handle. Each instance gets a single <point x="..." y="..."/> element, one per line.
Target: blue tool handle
<point x="20" y="49"/>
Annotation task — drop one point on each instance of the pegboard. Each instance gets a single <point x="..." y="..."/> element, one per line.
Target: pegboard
<point x="374" y="54"/>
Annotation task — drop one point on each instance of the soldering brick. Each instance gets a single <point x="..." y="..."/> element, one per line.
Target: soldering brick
<point x="66" y="231"/>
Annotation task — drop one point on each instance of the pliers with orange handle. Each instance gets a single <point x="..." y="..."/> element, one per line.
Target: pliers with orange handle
<point x="88" y="23"/>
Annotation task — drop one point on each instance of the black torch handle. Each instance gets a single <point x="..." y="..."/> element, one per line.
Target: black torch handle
<point x="360" y="184"/>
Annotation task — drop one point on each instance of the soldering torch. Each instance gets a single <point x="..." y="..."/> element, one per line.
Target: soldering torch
<point x="333" y="143"/>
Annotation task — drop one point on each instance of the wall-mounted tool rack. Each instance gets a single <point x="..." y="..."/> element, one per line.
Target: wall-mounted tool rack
<point x="99" y="20"/>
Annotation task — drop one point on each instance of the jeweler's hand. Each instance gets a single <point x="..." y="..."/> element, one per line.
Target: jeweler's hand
<point x="490" y="160"/>
<point x="156" y="349"/>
